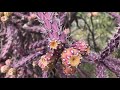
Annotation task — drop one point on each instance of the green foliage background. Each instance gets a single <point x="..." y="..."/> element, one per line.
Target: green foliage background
<point x="104" y="28"/>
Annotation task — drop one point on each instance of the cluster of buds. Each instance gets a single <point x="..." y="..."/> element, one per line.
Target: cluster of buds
<point x="71" y="58"/>
<point x="7" y="69"/>
<point x="5" y="15"/>
<point x="82" y="46"/>
<point x="30" y="46"/>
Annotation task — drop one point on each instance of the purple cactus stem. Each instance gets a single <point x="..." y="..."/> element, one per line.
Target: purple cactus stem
<point x="23" y="60"/>
<point x="113" y="65"/>
<point x="115" y="15"/>
<point x="92" y="57"/>
<point x="101" y="71"/>
<point x="11" y="32"/>
<point x="112" y="45"/>
<point x="37" y="44"/>
<point x="45" y="74"/>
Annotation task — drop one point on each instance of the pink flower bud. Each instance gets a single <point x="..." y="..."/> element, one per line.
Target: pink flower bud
<point x="8" y="62"/>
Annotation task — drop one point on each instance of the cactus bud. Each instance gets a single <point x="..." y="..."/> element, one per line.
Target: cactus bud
<point x="45" y="61"/>
<point x="4" y="69"/>
<point x="11" y="71"/>
<point x="71" y="57"/>
<point x="4" y="18"/>
<point x="69" y="70"/>
<point x="8" y="62"/>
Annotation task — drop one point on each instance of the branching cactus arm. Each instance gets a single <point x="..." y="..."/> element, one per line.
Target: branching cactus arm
<point x="101" y="71"/>
<point x="113" y="65"/>
<point x="11" y="32"/>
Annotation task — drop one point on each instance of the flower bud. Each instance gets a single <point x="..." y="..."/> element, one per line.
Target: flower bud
<point x="11" y="71"/>
<point x="4" y="18"/>
<point x="69" y="70"/>
<point x="4" y="69"/>
<point x="45" y="61"/>
<point x="8" y="62"/>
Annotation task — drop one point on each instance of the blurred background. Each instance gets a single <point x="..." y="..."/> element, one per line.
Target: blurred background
<point x="96" y="28"/>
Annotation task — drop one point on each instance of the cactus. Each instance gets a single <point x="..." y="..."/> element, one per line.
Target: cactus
<point x="37" y="44"/>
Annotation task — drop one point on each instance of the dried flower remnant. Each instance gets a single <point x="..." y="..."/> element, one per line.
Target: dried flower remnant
<point x="53" y="44"/>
